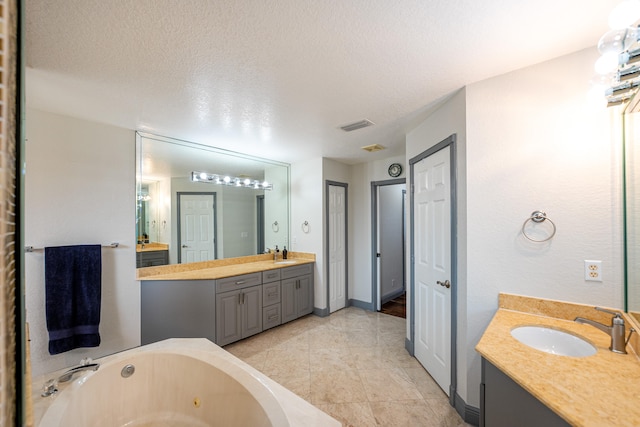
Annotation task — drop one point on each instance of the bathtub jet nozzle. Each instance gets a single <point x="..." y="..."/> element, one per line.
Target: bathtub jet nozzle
<point x="127" y="371"/>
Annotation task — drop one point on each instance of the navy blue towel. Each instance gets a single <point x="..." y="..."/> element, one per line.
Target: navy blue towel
<point x="73" y="284"/>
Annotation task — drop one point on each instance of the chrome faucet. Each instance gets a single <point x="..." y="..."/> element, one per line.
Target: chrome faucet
<point x="51" y="386"/>
<point x="616" y="331"/>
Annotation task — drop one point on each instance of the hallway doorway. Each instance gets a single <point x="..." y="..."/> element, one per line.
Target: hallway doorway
<point x="388" y="200"/>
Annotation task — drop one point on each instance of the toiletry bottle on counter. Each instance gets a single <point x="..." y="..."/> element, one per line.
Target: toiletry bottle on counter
<point x="284" y="253"/>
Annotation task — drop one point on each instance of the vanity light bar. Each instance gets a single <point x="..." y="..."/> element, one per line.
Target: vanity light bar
<point x="246" y="182"/>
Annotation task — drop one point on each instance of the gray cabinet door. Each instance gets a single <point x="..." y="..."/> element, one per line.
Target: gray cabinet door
<point x="251" y="302"/>
<point x="228" y="317"/>
<point x="177" y="309"/>
<point x="238" y="314"/>
<point x="288" y="292"/>
<point x="297" y="297"/>
<point x="304" y="297"/>
<point x="504" y="403"/>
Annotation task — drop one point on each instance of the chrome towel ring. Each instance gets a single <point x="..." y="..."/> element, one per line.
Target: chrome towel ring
<point x="275" y="227"/>
<point x="538" y="217"/>
<point x="305" y="227"/>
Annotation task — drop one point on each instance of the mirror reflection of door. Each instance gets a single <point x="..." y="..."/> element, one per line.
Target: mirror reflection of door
<point x="196" y="227"/>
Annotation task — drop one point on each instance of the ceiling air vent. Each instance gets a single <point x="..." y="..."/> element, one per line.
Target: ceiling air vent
<point x="373" y="147"/>
<point x="357" y="125"/>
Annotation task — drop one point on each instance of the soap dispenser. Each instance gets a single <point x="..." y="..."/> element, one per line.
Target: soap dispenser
<point x="284" y="253"/>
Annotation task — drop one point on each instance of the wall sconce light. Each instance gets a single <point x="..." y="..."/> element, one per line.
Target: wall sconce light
<point x="244" y="182"/>
<point x="620" y="49"/>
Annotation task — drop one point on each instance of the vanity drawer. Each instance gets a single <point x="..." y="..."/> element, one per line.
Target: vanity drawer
<point x="271" y="316"/>
<point x="271" y="276"/>
<point x="270" y="293"/>
<point x="238" y="282"/>
<point x="299" y="270"/>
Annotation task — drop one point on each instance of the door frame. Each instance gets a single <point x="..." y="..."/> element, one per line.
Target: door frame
<point x="450" y="141"/>
<point x="260" y="245"/>
<point x="374" y="235"/>
<point x="329" y="183"/>
<point x="215" y="220"/>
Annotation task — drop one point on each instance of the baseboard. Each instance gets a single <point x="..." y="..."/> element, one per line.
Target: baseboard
<point x="470" y="414"/>
<point x="322" y="312"/>
<point x="361" y="304"/>
<point x="386" y="298"/>
<point x="408" y="345"/>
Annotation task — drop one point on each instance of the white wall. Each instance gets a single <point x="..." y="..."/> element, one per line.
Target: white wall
<point x="306" y="205"/>
<point x="534" y="141"/>
<point x="362" y="175"/>
<point x="80" y="189"/>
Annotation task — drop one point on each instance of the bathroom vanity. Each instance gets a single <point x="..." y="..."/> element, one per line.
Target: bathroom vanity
<point x="152" y="254"/>
<point x="525" y="386"/>
<point x="211" y="300"/>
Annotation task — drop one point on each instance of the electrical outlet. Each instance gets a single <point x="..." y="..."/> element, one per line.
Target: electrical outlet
<point x="593" y="270"/>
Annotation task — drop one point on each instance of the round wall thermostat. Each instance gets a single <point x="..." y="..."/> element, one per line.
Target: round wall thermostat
<point x="395" y="170"/>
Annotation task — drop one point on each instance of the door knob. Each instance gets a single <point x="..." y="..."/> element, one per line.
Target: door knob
<point x="446" y="283"/>
<point x="185" y="246"/>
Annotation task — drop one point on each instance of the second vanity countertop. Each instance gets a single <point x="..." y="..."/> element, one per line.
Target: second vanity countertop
<point x="219" y="269"/>
<point x="599" y="390"/>
<point x="152" y="247"/>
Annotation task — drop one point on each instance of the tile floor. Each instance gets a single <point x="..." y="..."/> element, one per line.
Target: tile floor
<point x="352" y="365"/>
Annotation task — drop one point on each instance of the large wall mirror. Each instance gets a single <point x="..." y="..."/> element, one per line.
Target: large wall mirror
<point x="632" y="206"/>
<point x="631" y="122"/>
<point x="201" y="203"/>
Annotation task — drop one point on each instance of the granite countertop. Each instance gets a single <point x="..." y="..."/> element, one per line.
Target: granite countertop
<point x="599" y="390"/>
<point x="218" y="269"/>
<point x="150" y="247"/>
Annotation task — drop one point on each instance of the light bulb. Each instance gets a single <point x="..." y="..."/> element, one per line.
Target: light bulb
<point x="247" y="181"/>
<point x="624" y="14"/>
<point x="617" y="40"/>
<point x="265" y="184"/>
<point x="606" y="63"/>
<point x="227" y="179"/>
<point x="203" y="175"/>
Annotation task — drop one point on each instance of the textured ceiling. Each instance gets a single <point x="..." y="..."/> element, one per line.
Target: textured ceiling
<point x="277" y="78"/>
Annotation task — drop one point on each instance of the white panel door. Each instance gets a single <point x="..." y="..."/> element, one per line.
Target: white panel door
<point x="197" y="234"/>
<point x="432" y="254"/>
<point x="337" y="249"/>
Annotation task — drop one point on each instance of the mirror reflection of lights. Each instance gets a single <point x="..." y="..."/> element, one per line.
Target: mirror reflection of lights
<point x="620" y="49"/>
<point x="244" y="182"/>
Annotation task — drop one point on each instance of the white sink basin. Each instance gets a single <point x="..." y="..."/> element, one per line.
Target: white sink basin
<point x="553" y="341"/>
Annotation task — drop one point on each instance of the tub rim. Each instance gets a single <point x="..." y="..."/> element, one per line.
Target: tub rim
<point x="263" y="389"/>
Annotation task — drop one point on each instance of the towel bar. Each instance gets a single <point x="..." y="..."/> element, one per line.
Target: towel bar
<point x="32" y="249"/>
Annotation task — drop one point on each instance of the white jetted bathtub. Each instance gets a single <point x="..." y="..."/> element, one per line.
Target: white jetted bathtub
<point x="177" y="382"/>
